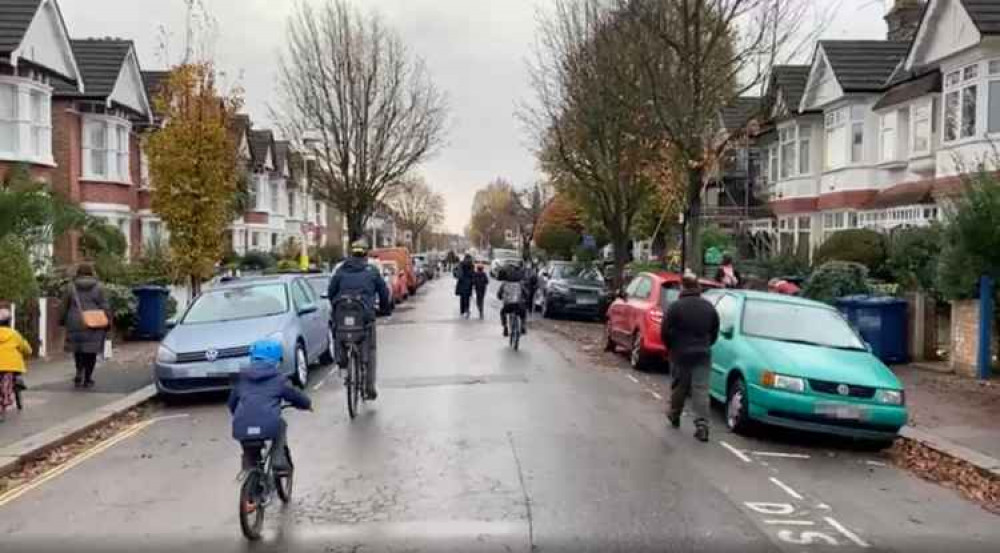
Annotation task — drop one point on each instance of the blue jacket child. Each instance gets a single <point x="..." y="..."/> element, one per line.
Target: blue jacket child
<point x="255" y="403"/>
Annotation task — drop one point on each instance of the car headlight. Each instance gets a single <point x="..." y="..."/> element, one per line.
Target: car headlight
<point x="782" y="382"/>
<point x="890" y="397"/>
<point x="165" y="355"/>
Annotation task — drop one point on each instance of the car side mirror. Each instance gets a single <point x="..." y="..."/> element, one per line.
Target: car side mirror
<point x="868" y="347"/>
<point x="727" y="333"/>
<point x="171" y="323"/>
<point x="308" y="308"/>
<point x="545" y="274"/>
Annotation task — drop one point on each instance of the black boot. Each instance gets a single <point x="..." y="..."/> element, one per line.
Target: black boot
<point x="78" y="379"/>
<point x="675" y="421"/>
<point x="701" y="431"/>
<point x="506" y="332"/>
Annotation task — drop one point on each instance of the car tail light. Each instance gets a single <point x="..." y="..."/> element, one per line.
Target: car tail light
<point x="656" y="316"/>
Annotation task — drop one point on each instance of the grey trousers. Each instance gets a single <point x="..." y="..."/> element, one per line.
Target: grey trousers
<point x="690" y="378"/>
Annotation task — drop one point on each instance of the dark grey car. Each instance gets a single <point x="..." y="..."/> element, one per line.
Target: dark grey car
<point x="210" y="342"/>
<point x="565" y="287"/>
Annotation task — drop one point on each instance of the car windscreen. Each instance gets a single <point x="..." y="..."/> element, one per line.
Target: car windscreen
<point x="245" y="302"/>
<point x="581" y="272"/>
<point x="320" y="285"/>
<point x="806" y="324"/>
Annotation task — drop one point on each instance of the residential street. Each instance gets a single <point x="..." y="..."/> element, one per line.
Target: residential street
<point x="474" y="447"/>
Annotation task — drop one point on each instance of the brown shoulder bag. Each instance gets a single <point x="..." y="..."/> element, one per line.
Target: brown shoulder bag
<point x="94" y="319"/>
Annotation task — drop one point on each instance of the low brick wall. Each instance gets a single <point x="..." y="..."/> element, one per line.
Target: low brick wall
<point x="965" y="337"/>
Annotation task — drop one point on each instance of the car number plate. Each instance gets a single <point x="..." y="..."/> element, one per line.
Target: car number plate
<point x="586" y="301"/>
<point x="837" y="411"/>
<point x="348" y="321"/>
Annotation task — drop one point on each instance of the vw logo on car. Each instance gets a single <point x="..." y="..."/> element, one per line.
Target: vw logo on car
<point x="843" y="389"/>
<point x="211" y="355"/>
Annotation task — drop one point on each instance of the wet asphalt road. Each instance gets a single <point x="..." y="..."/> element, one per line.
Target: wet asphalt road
<point x="473" y="447"/>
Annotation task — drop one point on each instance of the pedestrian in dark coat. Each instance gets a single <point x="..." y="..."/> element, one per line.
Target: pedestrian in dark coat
<point x="84" y="293"/>
<point x="480" y="281"/>
<point x="463" y="286"/>
<point x="689" y="329"/>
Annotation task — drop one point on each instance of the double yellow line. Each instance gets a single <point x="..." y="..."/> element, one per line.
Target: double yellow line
<point x="17" y="492"/>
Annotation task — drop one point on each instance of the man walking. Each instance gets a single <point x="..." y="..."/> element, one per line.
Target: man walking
<point x="690" y="328"/>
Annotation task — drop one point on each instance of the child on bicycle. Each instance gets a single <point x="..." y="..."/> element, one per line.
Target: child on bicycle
<point x="514" y="295"/>
<point x="13" y="350"/>
<point x="255" y="403"/>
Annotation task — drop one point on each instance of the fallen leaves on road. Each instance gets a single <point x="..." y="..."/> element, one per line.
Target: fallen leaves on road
<point x="972" y="482"/>
<point x="64" y="453"/>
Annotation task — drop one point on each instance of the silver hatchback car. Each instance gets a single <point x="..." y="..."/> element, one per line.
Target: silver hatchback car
<point x="211" y="341"/>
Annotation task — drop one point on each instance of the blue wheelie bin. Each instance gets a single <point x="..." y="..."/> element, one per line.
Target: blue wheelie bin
<point x="881" y="321"/>
<point x="151" y="318"/>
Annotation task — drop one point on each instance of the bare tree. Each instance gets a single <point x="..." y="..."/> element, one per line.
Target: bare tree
<point x="530" y="205"/>
<point x="698" y="56"/>
<point x="352" y="94"/>
<point x="416" y="207"/>
<point x="592" y="125"/>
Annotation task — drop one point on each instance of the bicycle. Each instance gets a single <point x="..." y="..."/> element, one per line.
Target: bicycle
<point x="514" y="323"/>
<point x="353" y="331"/>
<point x="260" y="484"/>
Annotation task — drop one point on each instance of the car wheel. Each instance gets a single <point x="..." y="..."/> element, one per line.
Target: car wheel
<point x="738" y="407"/>
<point x="331" y="344"/>
<point x="609" y="342"/>
<point x="636" y="358"/>
<point x="301" y="366"/>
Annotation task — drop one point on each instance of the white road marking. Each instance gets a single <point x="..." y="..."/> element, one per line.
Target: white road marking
<point x="786" y="488"/>
<point x="874" y="463"/>
<point x="823" y="506"/>
<point x="780" y="454"/>
<point x="846" y="533"/>
<point x="739" y="454"/>
<point x="170" y="417"/>
<point x="656" y="395"/>
<point x="790" y="522"/>
<point x="632" y="378"/>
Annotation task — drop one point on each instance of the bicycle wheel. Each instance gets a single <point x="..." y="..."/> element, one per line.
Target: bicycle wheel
<point x="350" y="384"/>
<point x="252" y="506"/>
<point x="17" y="398"/>
<point x="284" y="483"/>
<point x="360" y="380"/>
<point x="515" y="333"/>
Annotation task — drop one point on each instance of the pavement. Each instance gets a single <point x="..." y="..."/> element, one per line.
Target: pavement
<point x="474" y="447"/>
<point x="51" y="400"/>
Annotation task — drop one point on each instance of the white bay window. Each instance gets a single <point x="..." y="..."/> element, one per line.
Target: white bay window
<point x="887" y="136"/>
<point x="920" y="128"/>
<point x="836" y="139"/>
<point x="25" y="120"/>
<point x="961" y="90"/>
<point x="106" y="148"/>
<point x="993" y="88"/>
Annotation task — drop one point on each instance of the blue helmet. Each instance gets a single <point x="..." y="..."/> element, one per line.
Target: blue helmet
<point x="266" y="350"/>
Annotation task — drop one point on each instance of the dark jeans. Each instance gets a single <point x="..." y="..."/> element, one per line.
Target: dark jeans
<point x="514" y="308"/>
<point x="85" y="363"/>
<point x="251" y="453"/>
<point x="480" y="298"/>
<point x="368" y="349"/>
<point x="690" y="378"/>
<point x="463" y="303"/>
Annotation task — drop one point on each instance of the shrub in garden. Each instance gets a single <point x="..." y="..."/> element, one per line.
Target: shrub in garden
<point x="257" y="261"/>
<point x="913" y="257"/>
<point x="863" y="246"/>
<point x="17" y="278"/>
<point x="971" y="237"/>
<point x="836" y="279"/>
<point x="785" y="264"/>
<point x="124" y="307"/>
<point x="287" y="265"/>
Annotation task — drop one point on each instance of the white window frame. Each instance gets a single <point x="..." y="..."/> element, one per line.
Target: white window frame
<point x="836" y="139"/>
<point x="772" y="167"/>
<point x="115" y="152"/>
<point x="273" y="197"/>
<point x="29" y="120"/>
<point x="804" y="145"/>
<point x="787" y="142"/>
<point x="992" y="103"/>
<point x="857" y="156"/>
<point x="921" y="114"/>
<point x="888" y="149"/>
<point x="960" y="85"/>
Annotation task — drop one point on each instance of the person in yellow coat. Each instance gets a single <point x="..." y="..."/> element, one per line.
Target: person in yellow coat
<point x="13" y="350"/>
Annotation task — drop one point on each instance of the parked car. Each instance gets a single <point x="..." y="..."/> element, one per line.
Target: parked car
<point x="426" y="265"/>
<point x="501" y="259"/>
<point x="320" y="284"/>
<point x="565" y="287"/>
<point x="634" y="319"/>
<point x="397" y="284"/>
<point x="797" y="363"/>
<point x="402" y="258"/>
<point x="210" y="342"/>
<point x="420" y="270"/>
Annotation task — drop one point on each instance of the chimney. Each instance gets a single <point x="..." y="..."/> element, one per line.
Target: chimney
<point x="903" y="19"/>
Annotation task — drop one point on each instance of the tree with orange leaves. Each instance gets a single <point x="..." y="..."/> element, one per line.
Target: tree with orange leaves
<point x="193" y="163"/>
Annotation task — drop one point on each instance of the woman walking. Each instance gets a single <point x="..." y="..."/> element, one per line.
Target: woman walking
<point x="85" y="314"/>
<point x="463" y="286"/>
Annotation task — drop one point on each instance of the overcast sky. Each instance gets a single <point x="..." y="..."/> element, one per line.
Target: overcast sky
<point x="476" y="51"/>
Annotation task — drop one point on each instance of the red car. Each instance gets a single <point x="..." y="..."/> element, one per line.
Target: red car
<point x="634" y="318"/>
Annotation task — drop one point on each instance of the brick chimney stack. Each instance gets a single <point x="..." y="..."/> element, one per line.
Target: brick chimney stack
<point x="903" y="19"/>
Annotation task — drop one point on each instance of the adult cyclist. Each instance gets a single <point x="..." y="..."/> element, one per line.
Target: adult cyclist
<point x="357" y="278"/>
<point x="514" y="295"/>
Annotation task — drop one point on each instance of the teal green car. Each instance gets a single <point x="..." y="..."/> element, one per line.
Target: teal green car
<point x="797" y="363"/>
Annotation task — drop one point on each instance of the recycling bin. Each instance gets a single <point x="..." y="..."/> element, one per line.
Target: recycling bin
<point x="881" y="321"/>
<point x="151" y="316"/>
